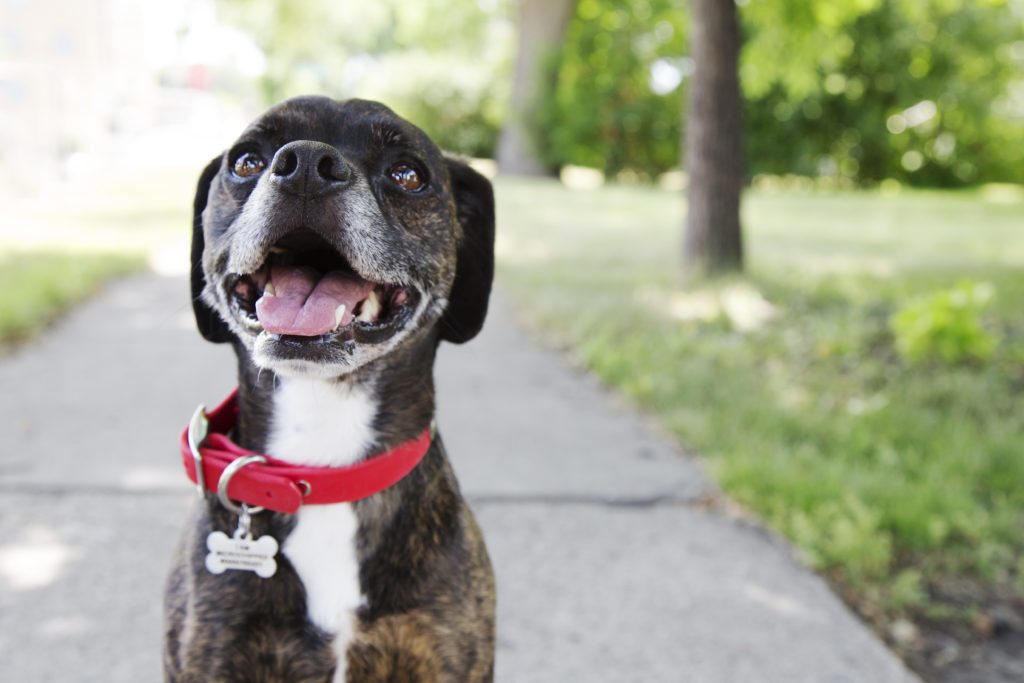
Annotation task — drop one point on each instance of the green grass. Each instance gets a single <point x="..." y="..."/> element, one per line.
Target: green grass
<point x="893" y="475"/>
<point x="38" y="285"/>
<point x="59" y="248"/>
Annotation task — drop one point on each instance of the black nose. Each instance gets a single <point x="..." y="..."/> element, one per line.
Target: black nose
<point x="309" y="169"/>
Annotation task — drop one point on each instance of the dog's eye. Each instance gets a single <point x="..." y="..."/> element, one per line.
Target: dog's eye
<point x="407" y="177"/>
<point x="249" y="164"/>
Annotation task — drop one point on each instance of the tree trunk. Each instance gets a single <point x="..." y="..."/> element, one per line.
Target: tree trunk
<point x="542" y="25"/>
<point x="714" y="153"/>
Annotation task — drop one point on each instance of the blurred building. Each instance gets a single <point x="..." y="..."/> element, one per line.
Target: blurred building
<point x="90" y="84"/>
<point x="68" y="69"/>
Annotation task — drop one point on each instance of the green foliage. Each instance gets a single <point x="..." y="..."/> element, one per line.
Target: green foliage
<point x="927" y="92"/>
<point x="460" y="109"/>
<point x="37" y="285"/>
<point x="907" y="591"/>
<point x="859" y="91"/>
<point x="844" y="532"/>
<point x="434" y="63"/>
<point x="602" y="110"/>
<point x="946" y="325"/>
<point x="789" y="43"/>
<point x="923" y="92"/>
<point x="889" y="475"/>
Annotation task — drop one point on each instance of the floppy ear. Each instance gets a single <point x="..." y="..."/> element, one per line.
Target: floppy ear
<point x="210" y="324"/>
<point x="474" y="268"/>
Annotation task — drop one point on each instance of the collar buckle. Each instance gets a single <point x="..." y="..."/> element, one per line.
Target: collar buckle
<point x="198" y="428"/>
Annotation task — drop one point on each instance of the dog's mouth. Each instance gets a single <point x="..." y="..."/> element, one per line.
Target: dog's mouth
<point x="307" y="291"/>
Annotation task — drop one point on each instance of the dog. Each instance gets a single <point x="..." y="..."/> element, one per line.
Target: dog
<point x="334" y="247"/>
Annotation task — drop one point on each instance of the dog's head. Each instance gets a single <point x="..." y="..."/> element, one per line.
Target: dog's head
<point x="332" y="232"/>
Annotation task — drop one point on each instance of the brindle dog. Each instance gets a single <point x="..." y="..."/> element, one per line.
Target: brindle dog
<point x="334" y="246"/>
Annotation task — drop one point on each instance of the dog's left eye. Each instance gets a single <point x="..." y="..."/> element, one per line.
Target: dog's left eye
<point x="407" y="178"/>
<point x="249" y="164"/>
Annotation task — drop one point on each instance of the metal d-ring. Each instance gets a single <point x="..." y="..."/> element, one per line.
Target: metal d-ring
<point x="225" y="479"/>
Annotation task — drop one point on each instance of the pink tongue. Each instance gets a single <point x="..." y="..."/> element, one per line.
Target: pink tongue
<point x="304" y="303"/>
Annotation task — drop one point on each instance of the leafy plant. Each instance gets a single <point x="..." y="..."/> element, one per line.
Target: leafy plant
<point x="946" y="325"/>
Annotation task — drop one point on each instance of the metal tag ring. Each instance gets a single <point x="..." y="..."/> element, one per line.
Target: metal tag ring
<point x="225" y="479"/>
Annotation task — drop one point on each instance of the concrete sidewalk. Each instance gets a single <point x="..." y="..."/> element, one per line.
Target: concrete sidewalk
<point x="610" y="565"/>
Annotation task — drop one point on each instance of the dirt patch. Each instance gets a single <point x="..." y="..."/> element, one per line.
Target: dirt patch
<point x="986" y="647"/>
<point x="980" y="641"/>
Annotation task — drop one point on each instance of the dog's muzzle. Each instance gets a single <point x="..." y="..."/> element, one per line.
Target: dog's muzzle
<point x="306" y="289"/>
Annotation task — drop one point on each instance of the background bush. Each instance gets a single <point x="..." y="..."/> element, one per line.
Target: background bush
<point x="927" y="92"/>
<point x="602" y="110"/>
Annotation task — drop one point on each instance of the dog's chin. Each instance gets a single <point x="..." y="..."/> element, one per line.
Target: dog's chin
<point x="266" y="359"/>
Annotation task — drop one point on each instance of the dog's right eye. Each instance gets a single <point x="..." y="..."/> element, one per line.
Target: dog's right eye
<point x="249" y="164"/>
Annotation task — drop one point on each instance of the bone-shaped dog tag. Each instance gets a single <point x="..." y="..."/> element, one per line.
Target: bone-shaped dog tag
<point x="241" y="552"/>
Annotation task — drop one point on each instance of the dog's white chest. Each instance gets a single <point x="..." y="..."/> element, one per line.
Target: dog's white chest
<point x="320" y="424"/>
<point x="322" y="550"/>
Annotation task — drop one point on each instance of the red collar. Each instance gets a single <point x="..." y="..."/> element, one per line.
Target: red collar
<point x="281" y="486"/>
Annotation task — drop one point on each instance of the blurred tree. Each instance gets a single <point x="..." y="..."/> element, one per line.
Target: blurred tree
<point x="541" y="25"/>
<point x="615" y="100"/>
<point x="433" y="63"/>
<point x="924" y="91"/>
<point x="714" y="150"/>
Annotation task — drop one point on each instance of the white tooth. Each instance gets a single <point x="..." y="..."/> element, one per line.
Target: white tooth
<point x="371" y="307"/>
<point x="339" y="313"/>
<point x="269" y="289"/>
